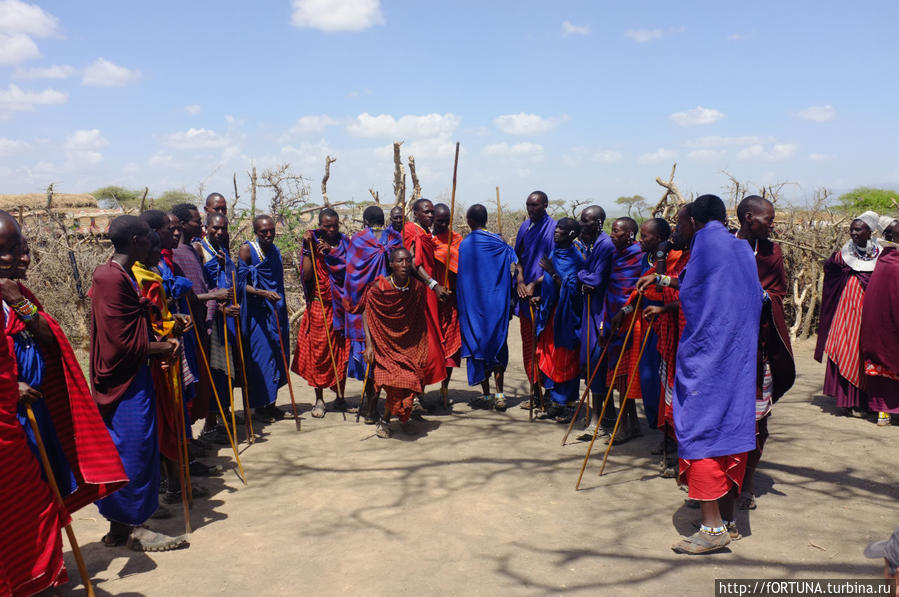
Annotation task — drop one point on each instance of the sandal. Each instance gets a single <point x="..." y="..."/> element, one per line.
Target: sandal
<point x="621" y="437"/>
<point x="499" y="402"/>
<point x="746" y="502"/>
<point x="340" y="405"/>
<point x="382" y="430"/>
<point x="700" y="542"/>
<point x="883" y="419"/>
<point x="318" y="411"/>
<point x="142" y="539"/>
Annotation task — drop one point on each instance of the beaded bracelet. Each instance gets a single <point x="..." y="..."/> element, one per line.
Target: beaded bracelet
<point x="25" y="309"/>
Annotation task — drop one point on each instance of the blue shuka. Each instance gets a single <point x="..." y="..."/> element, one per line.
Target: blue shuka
<point x="484" y="287"/>
<point x="714" y="388"/>
<point x="533" y="242"/>
<point x="265" y="364"/>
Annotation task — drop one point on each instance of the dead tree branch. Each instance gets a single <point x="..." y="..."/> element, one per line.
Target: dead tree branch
<point x="416" y="187"/>
<point x="399" y="176"/>
<point x="666" y="207"/>
<point x="328" y="161"/>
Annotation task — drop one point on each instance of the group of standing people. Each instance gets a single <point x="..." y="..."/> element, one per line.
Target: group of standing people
<point x="177" y="324"/>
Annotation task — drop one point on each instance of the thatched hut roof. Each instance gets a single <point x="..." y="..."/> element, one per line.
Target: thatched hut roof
<point x="34" y="201"/>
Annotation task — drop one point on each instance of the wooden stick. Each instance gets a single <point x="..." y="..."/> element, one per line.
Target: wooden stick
<point x="318" y="291"/>
<point x="245" y="391"/>
<point x="215" y="393"/>
<point x="535" y="370"/>
<point x="364" y="385"/>
<point x="228" y="367"/>
<point x="499" y="212"/>
<point x="293" y="402"/>
<point x="589" y="378"/>
<point x="609" y="392"/>
<point x="182" y="444"/>
<point x="630" y="382"/>
<point x="48" y="472"/>
<point x="449" y="249"/>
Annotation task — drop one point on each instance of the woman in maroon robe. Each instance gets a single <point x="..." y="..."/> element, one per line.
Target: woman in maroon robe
<point x="880" y="329"/>
<point x="846" y="276"/>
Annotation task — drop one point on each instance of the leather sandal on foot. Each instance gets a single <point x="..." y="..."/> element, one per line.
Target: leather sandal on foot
<point x="746" y="502"/>
<point x="146" y="540"/>
<point x="382" y="430"/>
<point x="318" y="411"/>
<point x="701" y="542"/>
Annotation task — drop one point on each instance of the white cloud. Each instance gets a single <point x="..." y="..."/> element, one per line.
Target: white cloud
<point x="163" y="160"/>
<point x="31" y="19"/>
<point x="659" y="155"/>
<point x="707" y="155"/>
<point x="336" y="15"/>
<point x="779" y="151"/>
<point x="195" y="139"/>
<point x="16" y="48"/>
<point x="103" y="73"/>
<point x="696" y="116"/>
<point x="15" y="99"/>
<point x="569" y="29"/>
<point x="819" y="157"/>
<point x="713" y="141"/>
<point x="818" y="113"/>
<point x="11" y="146"/>
<point x="739" y="36"/>
<point x="83" y="147"/>
<point x="57" y="71"/>
<point x="526" y="124"/>
<point x="532" y="151"/>
<point x="644" y="35"/>
<point x="307" y="125"/>
<point x="193" y="109"/>
<point x="607" y="156"/>
<point x="385" y="125"/>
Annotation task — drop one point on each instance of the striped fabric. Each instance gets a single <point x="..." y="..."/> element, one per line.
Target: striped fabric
<point x="763" y="401"/>
<point x="842" y="341"/>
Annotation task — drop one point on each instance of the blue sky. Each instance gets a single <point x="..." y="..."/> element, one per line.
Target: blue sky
<point x="585" y="100"/>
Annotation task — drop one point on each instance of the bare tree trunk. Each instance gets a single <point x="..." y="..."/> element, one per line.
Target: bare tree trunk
<point x="399" y="176"/>
<point x="143" y="200"/>
<point x="253" y="193"/>
<point x="328" y="161"/>
<point x="666" y="208"/>
<point x="375" y="196"/>
<point x="236" y="195"/>
<point x="416" y="187"/>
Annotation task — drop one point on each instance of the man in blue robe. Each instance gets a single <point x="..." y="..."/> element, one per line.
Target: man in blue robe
<point x="715" y="384"/>
<point x="218" y="269"/>
<point x="263" y="318"/>
<point x="123" y="387"/>
<point x="533" y="242"/>
<point x="366" y="260"/>
<point x="483" y="287"/>
<point x="558" y="320"/>
<point x="594" y="279"/>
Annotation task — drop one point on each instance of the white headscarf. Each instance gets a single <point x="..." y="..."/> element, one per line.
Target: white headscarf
<point x="871" y="219"/>
<point x="885" y="222"/>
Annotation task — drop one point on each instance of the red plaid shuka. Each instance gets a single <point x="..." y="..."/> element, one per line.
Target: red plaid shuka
<point x="312" y="357"/>
<point x="448" y="310"/>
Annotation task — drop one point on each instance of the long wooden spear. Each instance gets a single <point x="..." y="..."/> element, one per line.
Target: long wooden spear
<point x="609" y="392"/>
<point x="215" y="393"/>
<point x="245" y="391"/>
<point x="449" y="249"/>
<point x="183" y="476"/>
<point x="630" y="382"/>
<point x="293" y="402"/>
<point x="51" y="479"/>
<point x="228" y="367"/>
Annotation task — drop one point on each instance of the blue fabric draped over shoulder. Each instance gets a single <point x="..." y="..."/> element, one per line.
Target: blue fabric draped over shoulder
<point x="30" y="369"/>
<point x="715" y="385"/>
<point x="218" y="277"/>
<point x="595" y="274"/>
<point x="264" y="362"/>
<point x="566" y="298"/>
<point x="484" y="292"/>
<point x="533" y="242"/>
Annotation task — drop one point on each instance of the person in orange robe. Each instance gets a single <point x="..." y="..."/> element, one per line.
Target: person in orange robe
<point x="448" y="310"/>
<point x="418" y="240"/>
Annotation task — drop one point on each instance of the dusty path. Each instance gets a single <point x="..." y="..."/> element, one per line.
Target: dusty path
<point x="484" y="504"/>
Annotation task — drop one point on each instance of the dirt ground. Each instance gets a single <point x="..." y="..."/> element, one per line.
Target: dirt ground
<point x="484" y="504"/>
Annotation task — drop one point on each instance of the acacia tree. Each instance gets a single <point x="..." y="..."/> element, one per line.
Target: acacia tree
<point x="634" y="203"/>
<point x="862" y="199"/>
